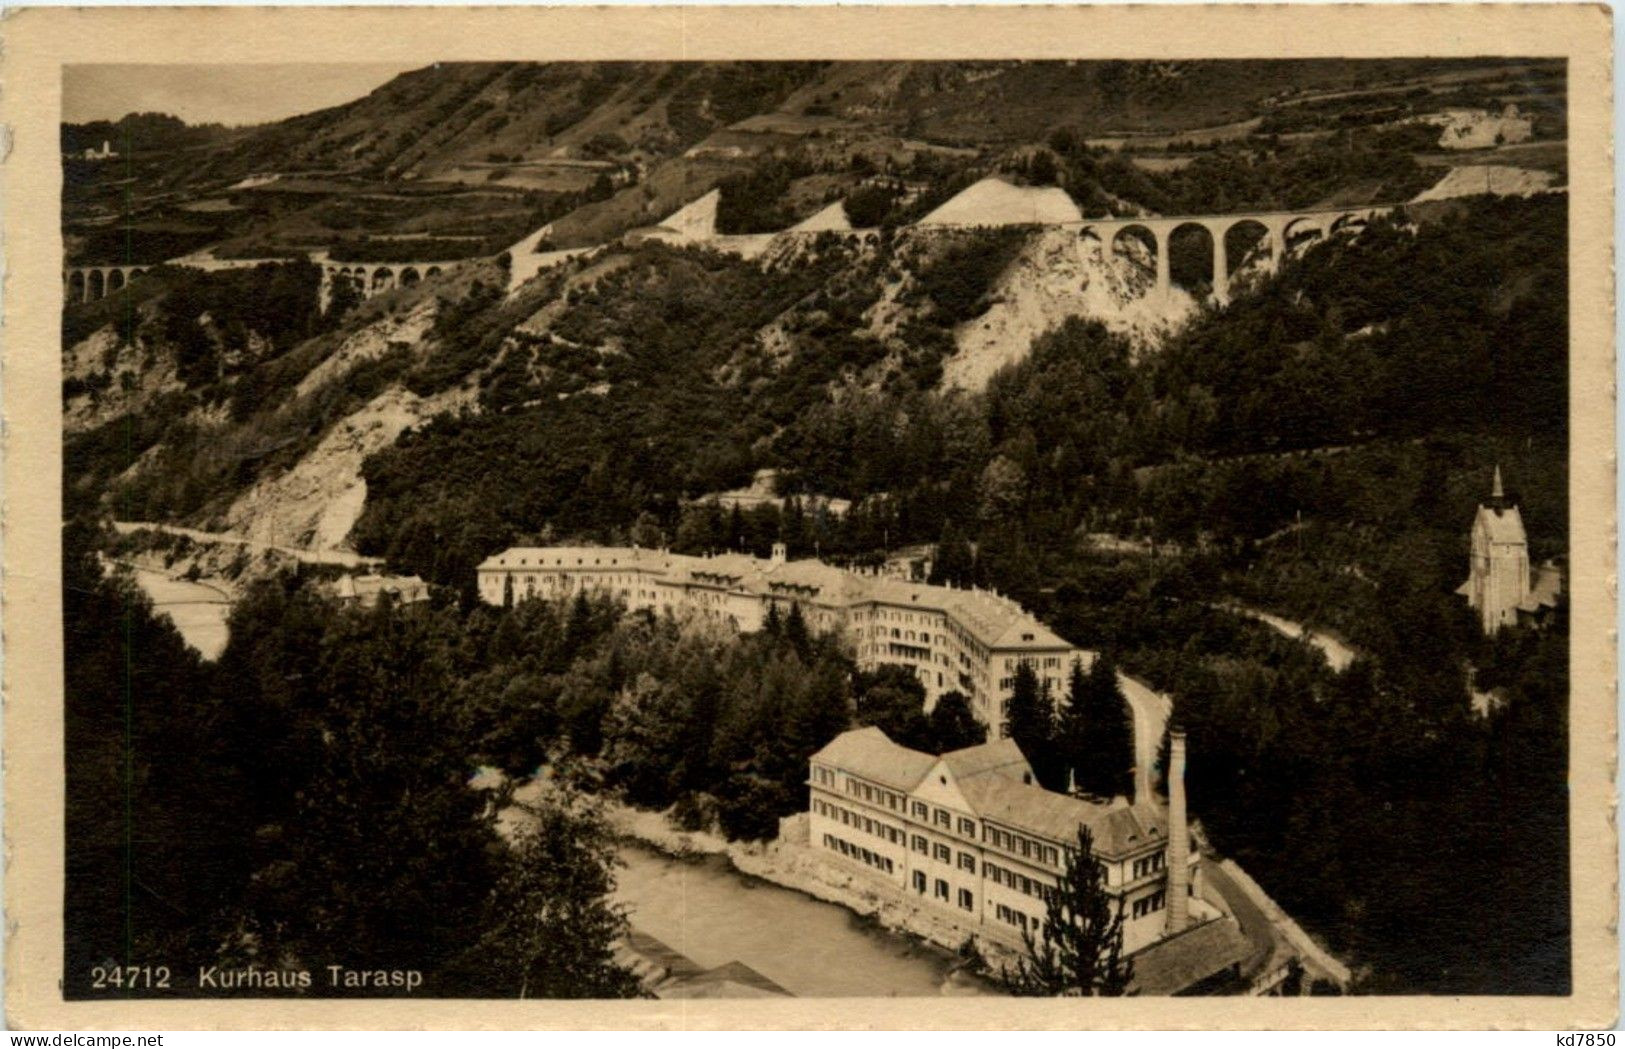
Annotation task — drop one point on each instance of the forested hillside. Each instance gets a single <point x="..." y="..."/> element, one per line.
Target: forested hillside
<point x="1317" y="449"/>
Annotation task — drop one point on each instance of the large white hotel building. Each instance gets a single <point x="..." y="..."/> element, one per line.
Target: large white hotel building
<point x="972" y="836"/>
<point x="954" y="640"/>
<point x="974" y="833"/>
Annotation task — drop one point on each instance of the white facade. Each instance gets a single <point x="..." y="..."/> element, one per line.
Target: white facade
<point x="973" y="835"/>
<point x="1499" y="584"/>
<point x="969" y="641"/>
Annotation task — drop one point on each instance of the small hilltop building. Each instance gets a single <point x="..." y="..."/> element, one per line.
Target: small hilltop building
<point x="1500" y="586"/>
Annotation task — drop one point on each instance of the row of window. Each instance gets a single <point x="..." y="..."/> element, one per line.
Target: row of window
<point x="943" y="854"/>
<point x="874" y="795"/>
<point x="1048" y="683"/>
<point x="1015" y="844"/>
<point x="1048" y="662"/>
<point x="943" y="818"/>
<point x="1011" y="916"/>
<point x="858" y="821"/>
<point x="1018" y="881"/>
<point x="881" y="614"/>
<point x="1149" y="904"/>
<point x="936" y="850"/>
<point x="858" y="852"/>
<point x="1148" y="865"/>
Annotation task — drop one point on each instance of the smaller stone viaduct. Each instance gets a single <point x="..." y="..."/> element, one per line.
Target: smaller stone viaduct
<point x="89" y="283"/>
<point x="375" y="278"/>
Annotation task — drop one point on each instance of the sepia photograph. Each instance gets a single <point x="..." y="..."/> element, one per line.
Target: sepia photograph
<point x="816" y="528"/>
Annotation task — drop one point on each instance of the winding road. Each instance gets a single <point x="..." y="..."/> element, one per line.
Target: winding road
<point x="197" y="535"/>
<point x="1151" y="710"/>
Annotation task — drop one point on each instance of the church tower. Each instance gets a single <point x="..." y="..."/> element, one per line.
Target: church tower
<point x="1498" y="568"/>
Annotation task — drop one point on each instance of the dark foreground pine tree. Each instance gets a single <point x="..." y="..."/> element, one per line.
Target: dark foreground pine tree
<point x="550" y="928"/>
<point x="1080" y="950"/>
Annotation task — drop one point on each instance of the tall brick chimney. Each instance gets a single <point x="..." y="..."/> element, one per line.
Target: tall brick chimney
<point x="1179" y="845"/>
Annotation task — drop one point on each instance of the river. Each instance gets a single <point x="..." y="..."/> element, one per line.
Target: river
<point x="199" y="612"/>
<point x="707" y="910"/>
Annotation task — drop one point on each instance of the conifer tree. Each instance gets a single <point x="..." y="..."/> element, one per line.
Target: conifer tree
<point x="1079" y="951"/>
<point x="1097" y="731"/>
<point x="952" y="726"/>
<point x="795" y="631"/>
<point x="1029" y="721"/>
<point x="549" y="928"/>
<point x="1071" y="731"/>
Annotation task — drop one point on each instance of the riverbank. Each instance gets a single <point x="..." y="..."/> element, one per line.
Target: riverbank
<point x="796" y="867"/>
<point x="723" y="919"/>
<point x="719" y="902"/>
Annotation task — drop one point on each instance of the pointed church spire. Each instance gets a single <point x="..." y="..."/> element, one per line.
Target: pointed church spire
<point x="1497" y="494"/>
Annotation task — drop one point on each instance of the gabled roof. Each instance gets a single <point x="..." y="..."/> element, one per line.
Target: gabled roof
<point x="1029" y="633"/>
<point x="868" y="752"/>
<point x="1117" y="831"/>
<point x="1128" y="828"/>
<point x="1001" y="757"/>
<point x="1179" y="962"/>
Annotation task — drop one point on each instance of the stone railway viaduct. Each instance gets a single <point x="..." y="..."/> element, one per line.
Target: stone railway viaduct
<point x="1279" y="231"/>
<point x="92" y="282"/>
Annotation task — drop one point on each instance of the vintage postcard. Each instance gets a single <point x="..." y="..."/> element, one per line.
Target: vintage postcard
<point x="684" y="517"/>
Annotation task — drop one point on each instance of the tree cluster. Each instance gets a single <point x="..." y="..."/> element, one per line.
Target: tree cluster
<point x="304" y="802"/>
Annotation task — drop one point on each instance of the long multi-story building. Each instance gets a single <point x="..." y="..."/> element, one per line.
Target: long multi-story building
<point x="972" y="835"/>
<point x="953" y="640"/>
